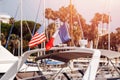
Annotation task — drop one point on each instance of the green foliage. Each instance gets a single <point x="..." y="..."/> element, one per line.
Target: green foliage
<point x="70" y="15"/>
<point x="17" y="31"/>
<point x="5" y="28"/>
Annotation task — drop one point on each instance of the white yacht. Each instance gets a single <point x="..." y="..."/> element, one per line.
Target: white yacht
<point x="71" y="56"/>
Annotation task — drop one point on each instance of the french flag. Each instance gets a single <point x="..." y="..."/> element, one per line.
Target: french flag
<point x="59" y="37"/>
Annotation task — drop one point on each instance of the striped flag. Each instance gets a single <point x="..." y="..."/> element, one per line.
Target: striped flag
<point x="51" y="41"/>
<point x="63" y="33"/>
<point x="60" y="36"/>
<point x="38" y="38"/>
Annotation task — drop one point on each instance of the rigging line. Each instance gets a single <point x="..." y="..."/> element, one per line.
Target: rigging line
<point x="12" y="27"/>
<point x="79" y="22"/>
<point x="101" y="24"/>
<point x="72" y="43"/>
<point x="28" y="27"/>
<point x="36" y="18"/>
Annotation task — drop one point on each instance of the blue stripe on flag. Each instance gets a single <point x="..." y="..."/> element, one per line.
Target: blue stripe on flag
<point x="64" y="34"/>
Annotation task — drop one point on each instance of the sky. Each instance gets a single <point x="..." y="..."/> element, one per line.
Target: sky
<point x="87" y="8"/>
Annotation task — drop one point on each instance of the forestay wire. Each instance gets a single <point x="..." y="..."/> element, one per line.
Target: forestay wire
<point x="12" y="27"/>
<point x="36" y="19"/>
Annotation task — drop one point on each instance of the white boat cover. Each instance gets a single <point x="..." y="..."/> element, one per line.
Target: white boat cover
<point x="110" y="54"/>
<point x="89" y="74"/>
<point x="93" y="64"/>
<point x="6" y="59"/>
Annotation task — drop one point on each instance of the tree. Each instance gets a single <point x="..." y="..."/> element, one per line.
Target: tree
<point x="117" y="37"/>
<point x="118" y="30"/>
<point x="114" y="40"/>
<point x="94" y="28"/>
<point x="76" y="34"/>
<point x="51" y="29"/>
<point x="3" y="40"/>
<point x="70" y="15"/>
<point x="104" y="18"/>
<point x="14" y="44"/>
<point x="11" y="20"/>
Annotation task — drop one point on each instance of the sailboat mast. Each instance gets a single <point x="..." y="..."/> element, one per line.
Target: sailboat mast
<point x="70" y="13"/>
<point x="21" y="27"/>
<point x="109" y="26"/>
<point x="44" y="21"/>
<point x="0" y="32"/>
<point x="109" y="33"/>
<point x="44" y="14"/>
<point x="71" y="26"/>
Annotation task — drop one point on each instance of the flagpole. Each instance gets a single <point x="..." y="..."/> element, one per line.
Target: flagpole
<point x="44" y="22"/>
<point x="21" y="28"/>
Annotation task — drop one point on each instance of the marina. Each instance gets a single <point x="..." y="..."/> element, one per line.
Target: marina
<point x="71" y="67"/>
<point x="60" y="43"/>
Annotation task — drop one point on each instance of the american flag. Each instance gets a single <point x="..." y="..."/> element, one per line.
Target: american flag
<point x="38" y="38"/>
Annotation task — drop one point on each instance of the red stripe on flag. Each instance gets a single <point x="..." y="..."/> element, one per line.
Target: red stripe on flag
<point x="37" y="39"/>
<point x="49" y="44"/>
